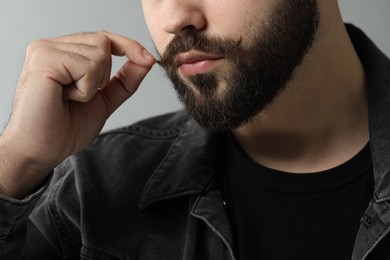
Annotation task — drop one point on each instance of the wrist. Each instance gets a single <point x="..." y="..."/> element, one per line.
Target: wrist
<point x="20" y="175"/>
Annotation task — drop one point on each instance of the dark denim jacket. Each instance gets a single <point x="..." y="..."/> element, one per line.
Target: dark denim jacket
<point x="148" y="191"/>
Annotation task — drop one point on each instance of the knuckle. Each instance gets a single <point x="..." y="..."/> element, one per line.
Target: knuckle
<point x="102" y="58"/>
<point x="94" y="65"/>
<point x="36" y="45"/>
<point x="38" y="56"/>
<point x="103" y="34"/>
<point x="103" y="40"/>
<point x="85" y="94"/>
<point x="84" y="98"/>
<point x="101" y="55"/>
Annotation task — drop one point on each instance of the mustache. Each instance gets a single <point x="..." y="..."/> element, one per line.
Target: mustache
<point x="215" y="45"/>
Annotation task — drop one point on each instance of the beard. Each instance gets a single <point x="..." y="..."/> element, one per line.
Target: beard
<point x="255" y="74"/>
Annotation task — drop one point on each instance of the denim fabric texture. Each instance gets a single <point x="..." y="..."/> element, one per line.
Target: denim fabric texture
<point x="148" y="191"/>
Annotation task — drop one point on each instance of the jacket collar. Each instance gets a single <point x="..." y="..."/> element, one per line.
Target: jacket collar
<point x="377" y="70"/>
<point x="188" y="168"/>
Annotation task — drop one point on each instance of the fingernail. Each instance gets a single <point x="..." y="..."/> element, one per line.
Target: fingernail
<point x="147" y="55"/>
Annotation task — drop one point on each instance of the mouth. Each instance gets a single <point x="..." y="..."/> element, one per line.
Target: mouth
<point x="194" y="62"/>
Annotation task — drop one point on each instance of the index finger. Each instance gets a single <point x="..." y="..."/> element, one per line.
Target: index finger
<point x="123" y="46"/>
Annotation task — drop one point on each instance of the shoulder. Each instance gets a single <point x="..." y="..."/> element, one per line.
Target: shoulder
<point x="99" y="188"/>
<point x="118" y="149"/>
<point x="152" y="133"/>
<point x="117" y="164"/>
<point x="164" y="126"/>
<point x="123" y="158"/>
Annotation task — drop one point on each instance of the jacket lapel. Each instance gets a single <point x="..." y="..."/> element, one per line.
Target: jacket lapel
<point x="187" y="168"/>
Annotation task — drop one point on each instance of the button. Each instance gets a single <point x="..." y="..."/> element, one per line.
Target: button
<point x="368" y="221"/>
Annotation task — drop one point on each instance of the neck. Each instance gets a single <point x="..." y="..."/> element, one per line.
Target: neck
<point x="320" y="119"/>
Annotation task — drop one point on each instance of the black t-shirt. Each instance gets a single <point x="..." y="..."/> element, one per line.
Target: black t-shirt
<point x="278" y="215"/>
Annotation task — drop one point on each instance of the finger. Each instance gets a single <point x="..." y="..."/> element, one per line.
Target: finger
<point x="101" y="58"/>
<point x="95" y="75"/>
<point x="123" y="85"/>
<point x="81" y="75"/>
<point x="119" y="45"/>
<point x="123" y="46"/>
<point x="82" y="79"/>
<point x="93" y="39"/>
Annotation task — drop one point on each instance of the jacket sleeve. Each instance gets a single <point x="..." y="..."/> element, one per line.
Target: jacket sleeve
<point x="20" y="236"/>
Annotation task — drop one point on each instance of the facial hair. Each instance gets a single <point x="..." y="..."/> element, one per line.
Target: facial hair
<point x="258" y="72"/>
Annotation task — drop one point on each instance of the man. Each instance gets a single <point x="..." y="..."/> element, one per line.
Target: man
<point x="287" y="157"/>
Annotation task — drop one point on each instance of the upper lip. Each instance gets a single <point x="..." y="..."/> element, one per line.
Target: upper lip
<point x="194" y="56"/>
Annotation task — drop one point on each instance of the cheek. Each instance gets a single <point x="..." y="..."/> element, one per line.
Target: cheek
<point x="159" y="37"/>
<point x="161" y="41"/>
<point x="152" y="20"/>
<point x="235" y="21"/>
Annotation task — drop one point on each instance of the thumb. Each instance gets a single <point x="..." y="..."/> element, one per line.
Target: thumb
<point x="123" y="85"/>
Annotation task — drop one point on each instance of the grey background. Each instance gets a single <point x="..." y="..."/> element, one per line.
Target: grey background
<point x="24" y="21"/>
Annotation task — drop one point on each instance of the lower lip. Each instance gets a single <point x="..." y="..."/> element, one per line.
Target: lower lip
<point x="200" y="67"/>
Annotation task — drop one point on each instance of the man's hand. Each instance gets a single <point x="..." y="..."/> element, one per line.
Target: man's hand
<point x="63" y="99"/>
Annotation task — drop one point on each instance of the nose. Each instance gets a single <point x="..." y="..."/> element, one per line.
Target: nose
<point x="182" y="16"/>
